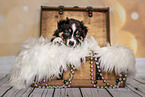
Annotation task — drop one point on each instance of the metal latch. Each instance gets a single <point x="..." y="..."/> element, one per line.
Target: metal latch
<point x="61" y="9"/>
<point x="89" y="9"/>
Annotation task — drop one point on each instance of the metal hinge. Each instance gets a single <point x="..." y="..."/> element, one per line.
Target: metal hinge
<point x="89" y="9"/>
<point x="61" y="9"/>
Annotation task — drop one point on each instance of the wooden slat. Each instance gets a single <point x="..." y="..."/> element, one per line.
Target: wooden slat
<point x="3" y="89"/>
<point x="48" y="93"/>
<point x="39" y="93"/>
<point x="61" y="93"/>
<point x="89" y="92"/>
<point x="137" y="85"/>
<point x="4" y="80"/>
<point x="123" y="93"/>
<point x="73" y="92"/>
<point x="133" y="89"/>
<point x="67" y="92"/>
<point x="47" y="8"/>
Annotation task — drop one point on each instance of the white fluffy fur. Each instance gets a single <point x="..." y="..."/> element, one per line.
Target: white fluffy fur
<point x="41" y="58"/>
<point x="44" y="59"/>
<point x="119" y="58"/>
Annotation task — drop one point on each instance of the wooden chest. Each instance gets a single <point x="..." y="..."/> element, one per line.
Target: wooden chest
<point x="97" y="20"/>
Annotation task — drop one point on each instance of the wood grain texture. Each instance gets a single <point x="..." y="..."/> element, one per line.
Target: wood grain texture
<point x="98" y="27"/>
<point x="134" y="88"/>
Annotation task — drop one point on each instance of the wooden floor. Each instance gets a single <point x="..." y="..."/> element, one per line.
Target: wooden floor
<point x="134" y="88"/>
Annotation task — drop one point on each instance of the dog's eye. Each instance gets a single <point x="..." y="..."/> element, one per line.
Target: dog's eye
<point x="67" y="34"/>
<point x="77" y="35"/>
<point x="66" y="31"/>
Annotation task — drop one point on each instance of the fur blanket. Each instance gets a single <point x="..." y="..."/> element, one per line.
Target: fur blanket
<point x="41" y="58"/>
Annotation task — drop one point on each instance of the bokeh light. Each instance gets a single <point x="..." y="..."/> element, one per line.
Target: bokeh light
<point x="134" y="16"/>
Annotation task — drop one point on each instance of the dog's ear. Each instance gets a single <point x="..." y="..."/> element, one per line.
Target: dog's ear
<point x="56" y="33"/>
<point x="84" y="29"/>
<point x="59" y="24"/>
<point x="62" y="24"/>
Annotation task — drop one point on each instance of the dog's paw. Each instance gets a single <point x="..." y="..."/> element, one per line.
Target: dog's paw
<point x="57" y="40"/>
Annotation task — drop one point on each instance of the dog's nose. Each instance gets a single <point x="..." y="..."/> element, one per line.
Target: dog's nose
<point x="71" y="43"/>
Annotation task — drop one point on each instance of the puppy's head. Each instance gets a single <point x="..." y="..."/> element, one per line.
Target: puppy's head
<point x="71" y="32"/>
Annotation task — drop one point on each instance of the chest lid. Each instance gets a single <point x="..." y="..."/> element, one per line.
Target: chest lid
<point x="96" y="20"/>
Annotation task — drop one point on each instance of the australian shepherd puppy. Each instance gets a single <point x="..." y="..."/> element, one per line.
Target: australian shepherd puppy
<point x="70" y="32"/>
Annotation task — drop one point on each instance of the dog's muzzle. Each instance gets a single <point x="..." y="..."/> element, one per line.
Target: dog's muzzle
<point x="71" y="42"/>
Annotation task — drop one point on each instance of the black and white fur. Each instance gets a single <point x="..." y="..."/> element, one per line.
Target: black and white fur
<point x="70" y="32"/>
